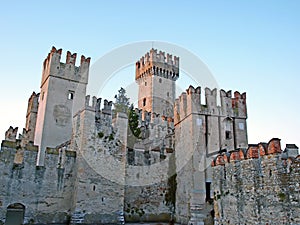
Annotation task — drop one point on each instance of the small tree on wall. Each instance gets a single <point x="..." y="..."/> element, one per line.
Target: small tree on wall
<point x="122" y="102"/>
<point x="133" y="122"/>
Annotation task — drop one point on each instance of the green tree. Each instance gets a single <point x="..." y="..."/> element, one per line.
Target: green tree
<point x="133" y="132"/>
<point x="122" y="102"/>
<point x="133" y="120"/>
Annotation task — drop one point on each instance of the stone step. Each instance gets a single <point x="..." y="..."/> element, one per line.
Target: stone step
<point x="77" y="217"/>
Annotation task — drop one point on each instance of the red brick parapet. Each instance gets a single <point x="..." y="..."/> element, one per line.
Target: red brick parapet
<point x="253" y="151"/>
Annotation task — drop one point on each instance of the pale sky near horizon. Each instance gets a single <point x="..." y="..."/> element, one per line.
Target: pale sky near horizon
<point x="249" y="46"/>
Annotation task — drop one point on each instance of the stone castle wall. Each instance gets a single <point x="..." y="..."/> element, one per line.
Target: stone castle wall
<point x="86" y="178"/>
<point x="107" y="186"/>
<point x="100" y="170"/>
<point x="258" y="185"/>
<point x="41" y="189"/>
<point x="149" y="192"/>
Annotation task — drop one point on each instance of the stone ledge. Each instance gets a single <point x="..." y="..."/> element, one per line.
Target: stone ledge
<point x="52" y="151"/>
<point x="16" y="144"/>
<point x="9" y="144"/>
<point x="33" y="148"/>
<point x="70" y="153"/>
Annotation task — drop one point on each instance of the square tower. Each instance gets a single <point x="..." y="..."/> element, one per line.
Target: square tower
<point x="156" y="75"/>
<point x="63" y="90"/>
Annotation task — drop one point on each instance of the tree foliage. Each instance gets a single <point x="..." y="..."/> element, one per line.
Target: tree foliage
<point x="122" y="102"/>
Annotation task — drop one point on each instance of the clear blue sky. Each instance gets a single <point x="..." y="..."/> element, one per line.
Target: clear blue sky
<point x="251" y="46"/>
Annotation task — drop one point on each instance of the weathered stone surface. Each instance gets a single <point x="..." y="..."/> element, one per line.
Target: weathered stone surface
<point x="95" y="169"/>
<point x="42" y="190"/>
<point x="263" y="190"/>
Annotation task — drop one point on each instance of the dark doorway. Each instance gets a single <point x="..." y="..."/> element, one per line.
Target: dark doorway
<point x="15" y="214"/>
<point x="207" y="187"/>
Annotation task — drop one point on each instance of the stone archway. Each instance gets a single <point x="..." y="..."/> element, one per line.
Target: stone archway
<point x="15" y="214"/>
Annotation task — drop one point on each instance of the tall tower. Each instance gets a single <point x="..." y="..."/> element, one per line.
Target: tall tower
<point x="156" y="75"/>
<point x="63" y="90"/>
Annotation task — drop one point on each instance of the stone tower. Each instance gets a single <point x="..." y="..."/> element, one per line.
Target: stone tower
<point x="63" y="90"/>
<point x="156" y="75"/>
<point x="202" y="130"/>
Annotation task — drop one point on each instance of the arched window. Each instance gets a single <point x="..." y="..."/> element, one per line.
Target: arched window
<point x="71" y="95"/>
<point x="144" y="102"/>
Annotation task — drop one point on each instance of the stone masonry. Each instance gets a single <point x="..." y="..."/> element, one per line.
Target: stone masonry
<point x="257" y="185"/>
<point x="79" y="162"/>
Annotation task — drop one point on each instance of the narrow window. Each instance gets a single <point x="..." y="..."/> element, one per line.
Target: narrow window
<point x="71" y="95"/>
<point x="168" y="95"/>
<point x="159" y="80"/>
<point x="145" y="83"/>
<point x="227" y="134"/>
<point x="144" y="102"/>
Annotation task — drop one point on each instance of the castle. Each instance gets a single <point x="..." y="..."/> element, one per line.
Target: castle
<point x="79" y="162"/>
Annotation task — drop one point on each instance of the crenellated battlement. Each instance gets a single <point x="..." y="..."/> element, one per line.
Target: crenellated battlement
<point x="95" y="105"/>
<point x="156" y="130"/>
<point x="190" y="102"/>
<point x="261" y="178"/>
<point x="239" y="104"/>
<point x="11" y="134"/>
<point x="84" y="60"/>
<point x="161" y="57"/>
<point x="147" y="118"/>
<point x="22" y="141"/>
<point x="33" y="103"/>
<point x="16" y="153"/>
<point x="100" y="118"/>
<point x="226" y="102"/>
<point x="71" y="58"/>
<point x="254" y="151"/>
<point x="211" y="100"/>
<point x="31" y="116"/>
<point x="53" y="66"/>
<point x="159" y="64"/>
